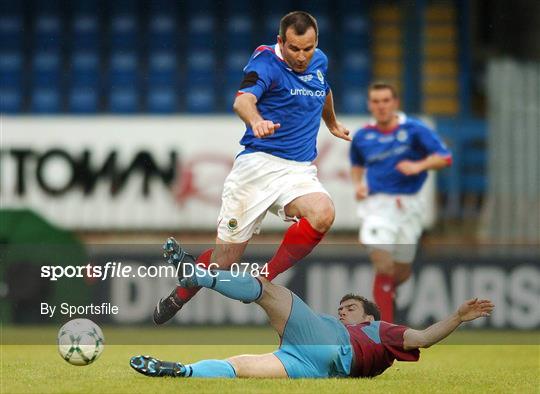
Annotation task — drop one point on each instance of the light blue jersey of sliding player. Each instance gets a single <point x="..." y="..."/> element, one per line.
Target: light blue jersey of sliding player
<point x="380" y="152"/>
<point x="295" y="100"/>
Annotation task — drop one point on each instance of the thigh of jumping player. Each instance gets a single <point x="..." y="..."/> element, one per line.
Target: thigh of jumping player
<point x="299" y="179"/>
<point x="314" y="345"/>
<point x="410" y="230"/>
<point x="249" y="191"/>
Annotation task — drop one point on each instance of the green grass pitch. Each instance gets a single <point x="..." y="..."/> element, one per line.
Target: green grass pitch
<point x="458" y="367"/>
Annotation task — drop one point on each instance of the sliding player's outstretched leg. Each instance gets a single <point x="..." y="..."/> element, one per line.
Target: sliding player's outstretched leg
<point x="167" y="307"/>
<point x="151" y="366"/>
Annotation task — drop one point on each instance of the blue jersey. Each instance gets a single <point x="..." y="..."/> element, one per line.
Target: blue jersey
<point x="380" y="152"/>
<point x="295" y="100"/>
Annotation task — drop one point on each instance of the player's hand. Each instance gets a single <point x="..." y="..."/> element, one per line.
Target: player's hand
<point x="341" y="131"/>
<point x="264" y="128"/>
<point x="361" y="191"/>
<point x="407" y="167"/>
<point x="475" y="308"/>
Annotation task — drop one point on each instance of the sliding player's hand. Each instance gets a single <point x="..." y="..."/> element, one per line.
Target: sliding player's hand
<point x="475" y="308"/>
<point x="264" y="128"/>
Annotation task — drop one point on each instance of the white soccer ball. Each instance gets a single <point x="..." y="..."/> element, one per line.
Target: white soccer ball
<point x="80" y="341"/>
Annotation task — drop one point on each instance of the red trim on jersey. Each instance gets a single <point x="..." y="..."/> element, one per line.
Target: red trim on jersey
<point x="376" y="128"/>
<point x="261" y="48"/>
<point x="239" y="93"/>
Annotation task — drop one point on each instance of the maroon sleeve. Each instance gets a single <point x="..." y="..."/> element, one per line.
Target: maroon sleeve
<point x="392" y="339"/>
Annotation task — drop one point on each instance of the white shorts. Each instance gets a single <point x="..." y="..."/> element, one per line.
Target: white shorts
<point x="392" y="223"/>
<point x="259" y="182"/>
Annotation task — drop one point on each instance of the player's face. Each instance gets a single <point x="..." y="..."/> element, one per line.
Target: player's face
<point x="352" y="312"/>
<point x="298" y="50"/>
<point x="382" y="105"/>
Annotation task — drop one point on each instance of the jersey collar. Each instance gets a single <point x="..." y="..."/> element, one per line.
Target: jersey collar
<point x="402" y="119"/>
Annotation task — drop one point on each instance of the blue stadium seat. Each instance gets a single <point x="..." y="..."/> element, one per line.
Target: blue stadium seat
<point x="11" y="31"/>
<point x="325" y="34"/>
<point x="10" y="100"/>
<point x="355" y="33"/>
<point x="162" y="100"/>
<point x="45" y="100"/>
<point x="162" y="32"/>
<point x="200" y="6"/>
<point x="162" y="68"/>
<point x="124" y="31"/>
<point x="124" y="100"/>
<point x="201" y="67"/>
<point x="353" y="101"/>
<point x="83" y="100"/>
<point x="11" y="68"/>
<point x="229" y="94"/>
<point x="47" y="32"/>
<point x="201" y="99"/>
<point x="164" y="7"/>
<point x="271" y="28"/>
<point x="355" y="69"/>
<point x="85" y="68"/>
<point x="234" y="65"/>
<point x="123" y="69"/>
<point x="276" y="7"/>
<point x="46" y="68"/>
<point x="238" y="6"/>
<point x="86" y="31"/>
<point x="239" y="31"/>
<point x="201" y="30"/>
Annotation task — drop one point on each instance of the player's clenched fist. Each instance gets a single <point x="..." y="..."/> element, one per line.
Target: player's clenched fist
<point x="264" y="128"/>
<point x="361" y="191"/>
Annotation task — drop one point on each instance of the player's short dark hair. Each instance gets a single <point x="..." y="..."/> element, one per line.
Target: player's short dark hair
<point x="299" y="21"/>
<point x="380" y="85"/>
<point x="370" y="308"/>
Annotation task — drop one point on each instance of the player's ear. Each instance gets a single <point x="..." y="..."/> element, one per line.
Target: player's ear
<point x="279" y="40"/>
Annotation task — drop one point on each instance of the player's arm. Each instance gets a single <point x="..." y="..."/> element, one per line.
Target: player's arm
<point x="360" y="187"/>
<point x="245" y="106"/>
<point x="329" y="117"/>
<point x="470" y="310"/>
<point x="437" y="154"/>
<point x="432" y="162"/>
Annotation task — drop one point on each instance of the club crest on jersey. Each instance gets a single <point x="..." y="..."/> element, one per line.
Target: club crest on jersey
<point x="370" y="136"/>
<point x="320" y="76"/>
<point x="306" y="78"/>
<point x="402" y="135"/>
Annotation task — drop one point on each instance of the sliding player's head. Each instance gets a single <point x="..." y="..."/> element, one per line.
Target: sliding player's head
<point x="355" y="309"/>
<point x="297" y="39"/>
<point x="383" y="102"/>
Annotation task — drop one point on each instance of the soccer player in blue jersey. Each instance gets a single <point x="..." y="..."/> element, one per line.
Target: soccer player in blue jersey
<point x="390" y="159"/>
<point x="312" y="345"/>
<point x="281" y="100"/>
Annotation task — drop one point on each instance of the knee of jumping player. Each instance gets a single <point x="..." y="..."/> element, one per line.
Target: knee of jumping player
<point x="322" y="217"/>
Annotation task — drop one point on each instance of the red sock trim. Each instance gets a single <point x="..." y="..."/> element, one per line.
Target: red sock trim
<point x="298" y="241"/>
<point x="187" y="294"/>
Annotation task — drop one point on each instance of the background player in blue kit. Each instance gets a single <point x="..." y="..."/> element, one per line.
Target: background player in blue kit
<point x="390" y="159"/>
<point x="312" y="345"/>
<point x="281" y="100"/>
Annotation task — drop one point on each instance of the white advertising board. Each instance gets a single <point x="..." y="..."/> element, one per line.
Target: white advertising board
<point x="148" y="173"/>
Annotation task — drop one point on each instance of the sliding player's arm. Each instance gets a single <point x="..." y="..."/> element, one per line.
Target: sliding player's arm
<point x="245" y="106"/>
<point x="329" y="117"/>
<point x="470" y="310"/>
